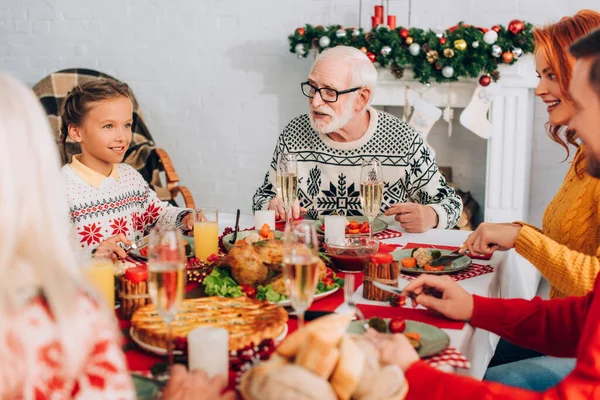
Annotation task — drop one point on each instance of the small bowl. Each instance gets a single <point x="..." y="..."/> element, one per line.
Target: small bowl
<point x="353" y="254"/>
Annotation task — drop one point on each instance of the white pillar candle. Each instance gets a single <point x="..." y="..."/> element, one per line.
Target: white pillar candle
<point x="208" y="350"/>
<point x="335" y="229"/>
<point x="264" y="217"/>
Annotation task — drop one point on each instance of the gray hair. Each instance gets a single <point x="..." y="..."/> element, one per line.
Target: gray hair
<point x="362" y="71"/>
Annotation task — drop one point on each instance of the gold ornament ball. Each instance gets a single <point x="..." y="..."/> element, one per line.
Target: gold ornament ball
<point x="507" y="56"/>
<point x="460" y="45"/>
<point x="363" y="49"/>
<point x="409" y="40"/>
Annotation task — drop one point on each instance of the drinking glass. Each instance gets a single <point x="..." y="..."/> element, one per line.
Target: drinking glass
<point x="166" y="279"/>
<point x="287" y="181"/>
<point x="98" y="271"/>
<point x="300" y="265"/>
<point x="371" y="190"/>
<point x="206" y="232"/>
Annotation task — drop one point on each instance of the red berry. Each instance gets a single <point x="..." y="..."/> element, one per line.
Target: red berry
<point x="397" y="325"/>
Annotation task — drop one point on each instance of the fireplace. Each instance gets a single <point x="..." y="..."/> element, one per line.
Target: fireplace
<point x="496" y="171"/>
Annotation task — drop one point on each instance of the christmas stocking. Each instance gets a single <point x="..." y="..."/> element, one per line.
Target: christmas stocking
<point x="474" y="116"/>
<point x="423" y="118"/>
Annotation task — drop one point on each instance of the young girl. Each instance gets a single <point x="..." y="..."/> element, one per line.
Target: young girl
<point x="109" y="202"/>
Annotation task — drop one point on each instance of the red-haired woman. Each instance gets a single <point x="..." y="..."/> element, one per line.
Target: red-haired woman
<point x="570" y="234"/>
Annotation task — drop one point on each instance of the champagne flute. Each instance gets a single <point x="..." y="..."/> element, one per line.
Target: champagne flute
<point x="371" y="190"/>
<point x="166" y="280"/>
<point x="300" y="265"/>
<point x="287" y="181"/>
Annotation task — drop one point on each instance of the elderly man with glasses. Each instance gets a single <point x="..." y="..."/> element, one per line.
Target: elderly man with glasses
<point x="340" y="132"/>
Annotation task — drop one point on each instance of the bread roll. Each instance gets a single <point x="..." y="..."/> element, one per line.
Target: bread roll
<point x="347" y="373"/>
<point x="253" y="379"/>
<point x="290" y="382"/>
<point x="371" y="368"/>
<point x="319" y="354"/>
<point x="333" y="326"/>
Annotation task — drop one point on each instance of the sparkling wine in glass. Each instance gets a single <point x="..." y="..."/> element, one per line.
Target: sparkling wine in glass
<point x="300" y="265"/>
<point x="287" y="181"/>
<point x="166" y="279"/>
<point x="371" y="190"/>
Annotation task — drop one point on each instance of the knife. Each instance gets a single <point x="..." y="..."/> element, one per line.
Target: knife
<point x="392" y="289"/>
<point x="447" y="259"/>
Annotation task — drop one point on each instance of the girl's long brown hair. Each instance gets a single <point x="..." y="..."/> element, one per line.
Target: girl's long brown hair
<point x="77" y="104"/>
<point x="554" y="40"/>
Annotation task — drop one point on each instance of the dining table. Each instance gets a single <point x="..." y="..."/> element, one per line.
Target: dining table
<point x="503" y="275"/>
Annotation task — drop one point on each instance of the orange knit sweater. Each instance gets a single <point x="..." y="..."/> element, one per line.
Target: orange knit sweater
<point x="567" y="250"/>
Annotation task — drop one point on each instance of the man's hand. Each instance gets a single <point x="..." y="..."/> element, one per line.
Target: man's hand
<point x="393" y="349"/>
<point x="441" y="294"/>
<point x="185" y="385"/>
<point x="488" y="238"/>
<point x="111" y="246"/>
<point x="414" y="217"/>
<point x="277" y="205"/>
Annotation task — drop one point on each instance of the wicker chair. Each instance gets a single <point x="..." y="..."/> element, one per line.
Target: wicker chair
<point x="142" y="154"/>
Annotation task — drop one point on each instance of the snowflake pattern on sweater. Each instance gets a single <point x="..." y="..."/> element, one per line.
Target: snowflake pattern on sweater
<point x="329" y="172"/>
<point x="126" y="205"/>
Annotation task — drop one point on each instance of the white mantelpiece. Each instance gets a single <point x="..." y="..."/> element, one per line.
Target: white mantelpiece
<point x="509" y="148"/>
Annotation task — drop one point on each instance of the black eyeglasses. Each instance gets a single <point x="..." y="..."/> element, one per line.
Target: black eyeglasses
<point x="327" y="94"/>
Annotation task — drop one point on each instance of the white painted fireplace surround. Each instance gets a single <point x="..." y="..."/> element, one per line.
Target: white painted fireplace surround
<point x="511" y="114"/>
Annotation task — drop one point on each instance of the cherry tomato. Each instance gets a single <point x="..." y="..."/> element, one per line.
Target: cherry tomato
<point x="328" y="273"/>
<point x="364" y="228"/>
<point x="248" y="290"/>
<point x="137" y="274"/>
<point x="428" y="267"/>
<point x="396" y="300"/>
<point x="397" y="325"/>
<point x="144" y="251"/>
<point x="328" y="282"/>
<point x="353" y="225"/>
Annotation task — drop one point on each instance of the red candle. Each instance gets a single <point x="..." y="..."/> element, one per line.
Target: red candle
<point x="392" y="22"/>
<point x="374" y="22"/>
<point x="379" y="12"/>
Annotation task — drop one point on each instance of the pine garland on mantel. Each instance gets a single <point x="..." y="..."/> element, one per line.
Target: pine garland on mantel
<point x="462" y="51"/>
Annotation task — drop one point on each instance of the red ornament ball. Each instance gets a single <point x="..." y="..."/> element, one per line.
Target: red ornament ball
<point x="496" y="28"/>
<point x="404" y="33"/>
<point x="300" y="31"/>
<point x="485" y="80"/>
<point x="516" y="26"/>
<point x="371" y="56"/>
<point x="442" y="41"/>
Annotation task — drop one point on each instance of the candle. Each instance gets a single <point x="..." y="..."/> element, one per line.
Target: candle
<point x="379" y="12"/>
<point x="392" y="22"/>
<point x="373" y="22"/>
<point x="335" y="229"/>
<point x="208" y="350"/>
<point x="264" y="217"/>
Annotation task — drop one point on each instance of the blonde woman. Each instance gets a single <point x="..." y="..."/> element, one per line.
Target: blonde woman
<point x="56" y="341"/>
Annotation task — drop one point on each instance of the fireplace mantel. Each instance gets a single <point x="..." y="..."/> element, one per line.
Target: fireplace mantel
<point x="511" y="114"/>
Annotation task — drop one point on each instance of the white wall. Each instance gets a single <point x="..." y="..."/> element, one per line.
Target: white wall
<point x="215" y="79"/>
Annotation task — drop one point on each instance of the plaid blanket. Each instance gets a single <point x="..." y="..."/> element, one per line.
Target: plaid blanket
<point x="141" y="155"/>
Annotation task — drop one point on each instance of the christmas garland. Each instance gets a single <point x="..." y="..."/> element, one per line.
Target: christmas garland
<point x="461" y="51"/>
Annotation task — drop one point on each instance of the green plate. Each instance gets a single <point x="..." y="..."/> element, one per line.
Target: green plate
<point x="457" y="265"/>
<point x="242" y="234"/>
<point x="378" y="225"/>
<point x="145" y="388"/>
<point x="433" y="339"/>
<point x="189" y="250"/>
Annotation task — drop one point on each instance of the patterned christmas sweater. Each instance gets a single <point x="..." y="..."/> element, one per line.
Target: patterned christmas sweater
<point x="101" y="207"/>
<point x="329" y="171"/>
<point x="32" y="360"/>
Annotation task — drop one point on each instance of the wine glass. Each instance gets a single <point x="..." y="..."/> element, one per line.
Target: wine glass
<point x="371" y="190"/>
<point x="287" y="181"/>
<point x="166" y="279"/>
<point x="300" y="265"/>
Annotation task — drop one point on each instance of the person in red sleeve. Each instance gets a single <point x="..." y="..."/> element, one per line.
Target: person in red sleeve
<point x="560" y="327"/>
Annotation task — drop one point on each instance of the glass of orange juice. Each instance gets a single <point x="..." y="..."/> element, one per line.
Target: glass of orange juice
<point x="99" y="273"/>
<point x="206" y="232"/>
